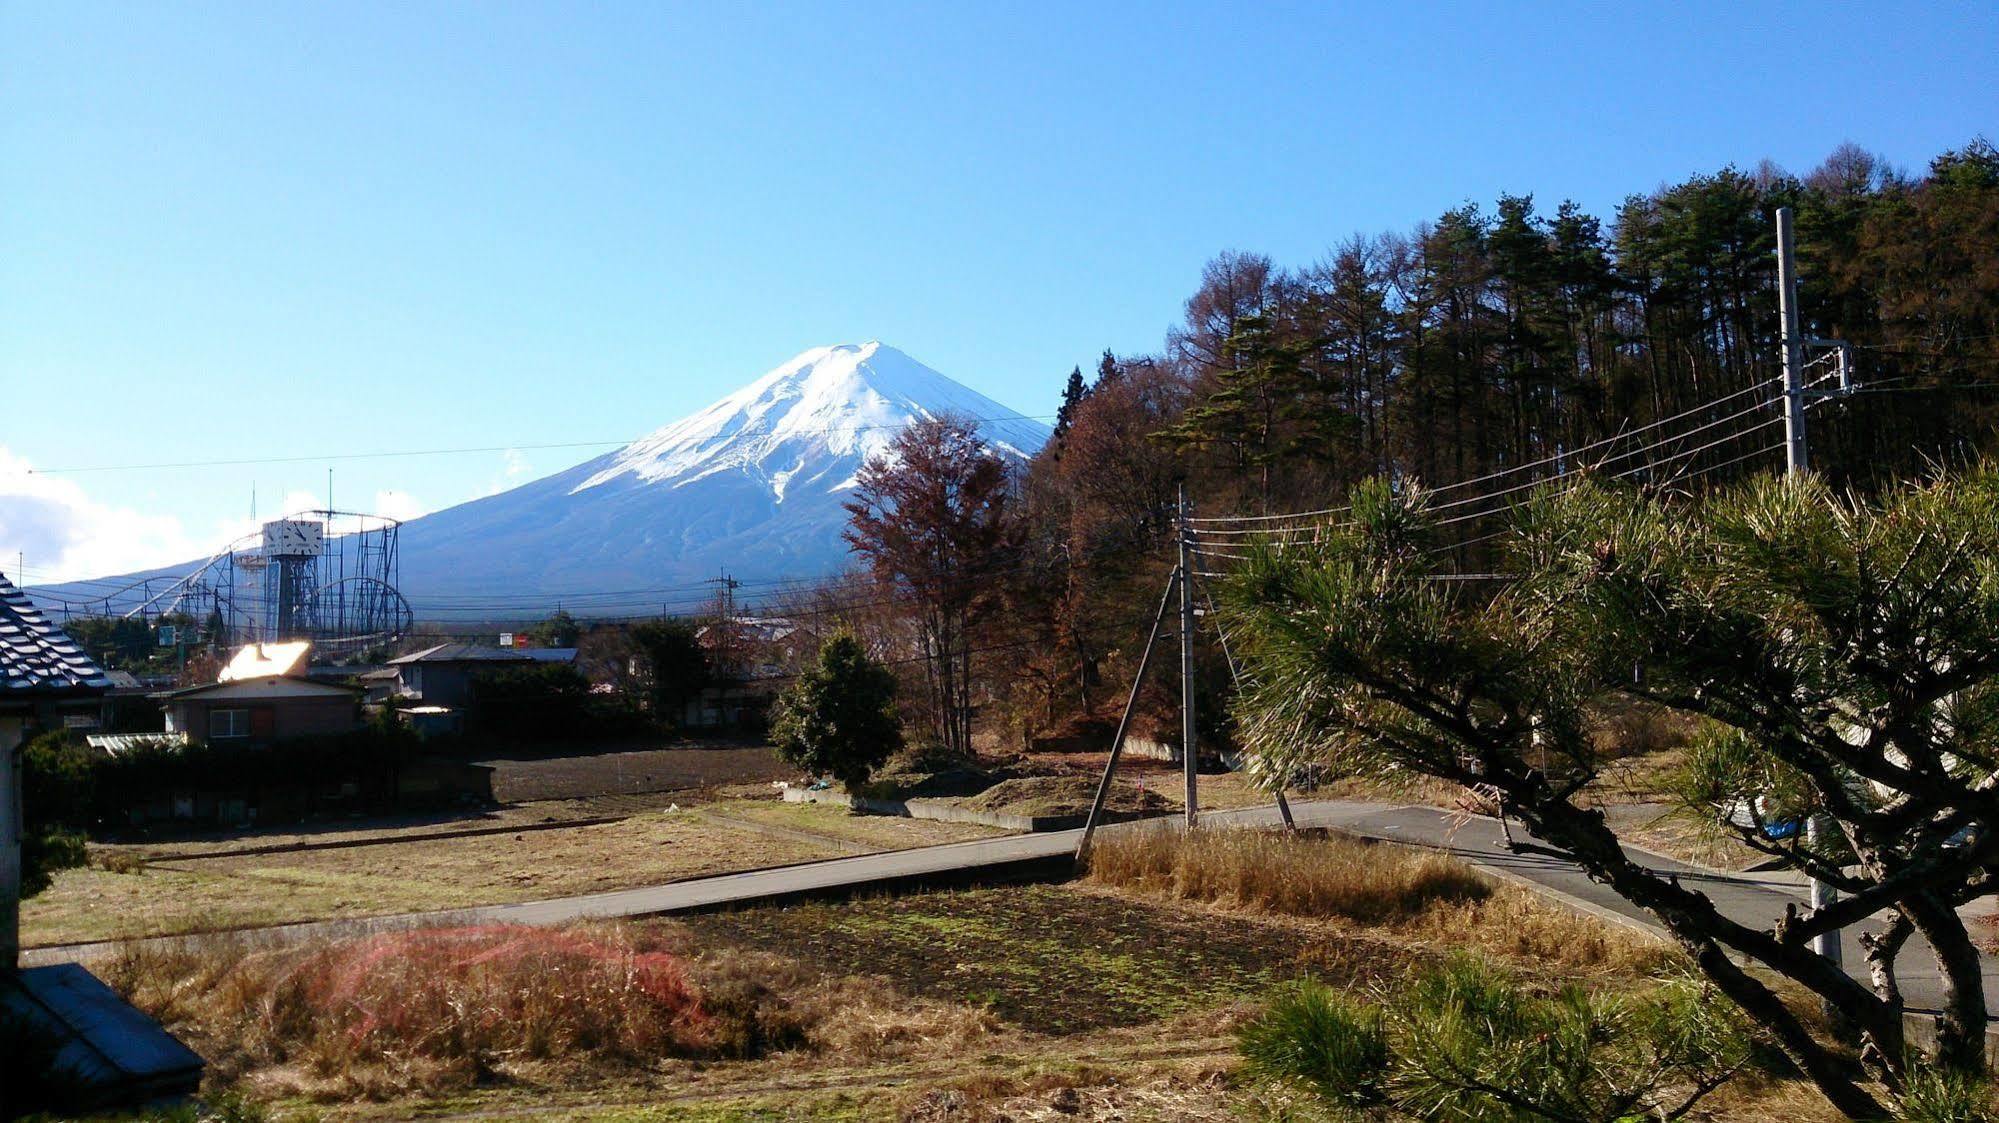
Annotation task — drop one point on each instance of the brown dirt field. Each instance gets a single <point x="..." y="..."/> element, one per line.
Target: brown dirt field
<point x="520" y="778"/>
<point x="1047" y="958"/>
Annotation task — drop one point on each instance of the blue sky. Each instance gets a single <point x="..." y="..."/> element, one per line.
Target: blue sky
<point x="263" y="230"/>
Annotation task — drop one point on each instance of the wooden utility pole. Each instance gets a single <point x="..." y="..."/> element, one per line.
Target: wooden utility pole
<point x="1796" y="463"/>
<point x="1189" y="749"/>
<point x="1177" y="577"/>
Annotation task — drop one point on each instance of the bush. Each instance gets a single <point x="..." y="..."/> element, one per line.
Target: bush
<point x="371" y="756"/>
<point x="838" y="718"/>
<point x="533" y="701"/>
<point x="57" y="780"/>
<point x="1464" y="1043"/>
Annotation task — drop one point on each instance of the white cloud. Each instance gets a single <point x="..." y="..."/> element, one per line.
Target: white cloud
<point x="65" y="534"/>
<point x="398" y="505"/>
<point x="514" y="471"/>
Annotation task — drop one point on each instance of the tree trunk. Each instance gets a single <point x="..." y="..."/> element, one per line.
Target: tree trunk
<point x="1961" y="1029"/>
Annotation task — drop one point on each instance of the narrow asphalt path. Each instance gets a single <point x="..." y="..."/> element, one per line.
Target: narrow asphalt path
<point x="1755" y="899"/>
<point x="991" y="856"/>
<point x="1759" y="900"/>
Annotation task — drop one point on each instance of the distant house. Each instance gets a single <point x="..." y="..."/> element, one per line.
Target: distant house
<point x="442" y="675"/>
<point x="260" y="711"/>
<point x="266" y="660"/>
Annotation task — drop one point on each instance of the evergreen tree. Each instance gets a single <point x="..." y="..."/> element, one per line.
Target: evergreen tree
<point x="1072" y="396"/>
<point x="1840" y="654"/>
<point x="677" y="667"/>
<point x="838" y="718"/>
<point x="1108" y="369"/>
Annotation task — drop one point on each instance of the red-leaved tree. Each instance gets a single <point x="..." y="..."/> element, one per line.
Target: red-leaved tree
<point x="932" y="517"/>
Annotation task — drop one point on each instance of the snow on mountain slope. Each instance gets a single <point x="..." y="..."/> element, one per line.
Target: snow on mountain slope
<point x="830" y="404"/>
<point x="752" y="484"/>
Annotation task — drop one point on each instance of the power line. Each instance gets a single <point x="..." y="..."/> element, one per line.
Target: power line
<point x="390" y="453"/>
<point x="1568" y="454"/>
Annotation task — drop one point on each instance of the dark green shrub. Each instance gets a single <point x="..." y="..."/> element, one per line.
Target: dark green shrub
<point x="533" y="701"/>
<point x="1464" y="1043"/>
<point x="838" y="718"/>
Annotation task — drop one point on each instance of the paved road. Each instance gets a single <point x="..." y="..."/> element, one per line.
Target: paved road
<point x="1753" y="899"/>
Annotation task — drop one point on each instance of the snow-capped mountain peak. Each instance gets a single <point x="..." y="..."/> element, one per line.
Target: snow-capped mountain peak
<point x="752" y="486"/>
<point x="811" y="422"/>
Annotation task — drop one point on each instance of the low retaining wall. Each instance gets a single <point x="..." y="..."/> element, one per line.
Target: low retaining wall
<point x="951" y="812"/>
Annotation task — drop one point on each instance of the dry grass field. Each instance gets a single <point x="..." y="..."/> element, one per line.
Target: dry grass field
<point x="1115" y="997"/>
<point x="131" y="891"/>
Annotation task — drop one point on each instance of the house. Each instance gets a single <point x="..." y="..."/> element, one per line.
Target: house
<point x="266" y="660"/>
<point x="259" y="711"/>
<point x="115" y="1055"/>
<point x="442" y="675"/>
<point x="44" y="677"/>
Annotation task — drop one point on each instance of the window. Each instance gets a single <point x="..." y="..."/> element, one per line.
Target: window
<point x="224" y="724"/>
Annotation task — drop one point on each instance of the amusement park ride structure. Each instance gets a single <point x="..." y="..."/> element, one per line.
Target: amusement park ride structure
<point x="325" y="576"/>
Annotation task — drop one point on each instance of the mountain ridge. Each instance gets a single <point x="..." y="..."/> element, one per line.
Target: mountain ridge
<point x="752" y="484"/>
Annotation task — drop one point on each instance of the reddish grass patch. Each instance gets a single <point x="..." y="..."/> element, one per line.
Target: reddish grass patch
<point x="494" y="991"/>
<point x="426" y="1009"/>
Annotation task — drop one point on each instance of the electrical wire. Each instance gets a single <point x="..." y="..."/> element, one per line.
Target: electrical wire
<point x="393" y="453"/>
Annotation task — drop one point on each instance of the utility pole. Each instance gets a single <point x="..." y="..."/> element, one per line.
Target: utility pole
<point x="1130" y="708"/>
<point x="1796" y="463"/>
<point x="1189" y="749"/>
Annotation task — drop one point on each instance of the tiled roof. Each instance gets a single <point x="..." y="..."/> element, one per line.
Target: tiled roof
<point x="35" y="656"/>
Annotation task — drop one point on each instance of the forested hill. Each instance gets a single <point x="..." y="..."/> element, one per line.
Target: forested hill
<point x="1488" y="338"/>
<point x="1525" y="335"/>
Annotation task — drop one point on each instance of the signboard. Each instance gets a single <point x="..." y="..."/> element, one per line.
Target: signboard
<point x="168" y="635"/>
<point x="506" y="639"/>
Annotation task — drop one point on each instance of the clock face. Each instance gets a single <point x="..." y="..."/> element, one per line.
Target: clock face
<point x="293" y="537"/>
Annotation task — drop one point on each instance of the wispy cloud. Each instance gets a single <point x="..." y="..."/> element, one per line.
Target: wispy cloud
<point x="514" y="471"/>
<point x="65" y="534"/>
<point x="62" y="533"/>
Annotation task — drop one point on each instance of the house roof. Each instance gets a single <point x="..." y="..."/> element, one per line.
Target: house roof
<point x="275" y="686"/>
<point x="36" y="657"/>
<point x="485" y="653"/>
<point x="461" y="653"/>
<point x="121" y="1056"/>
<point x="262" y="660"/>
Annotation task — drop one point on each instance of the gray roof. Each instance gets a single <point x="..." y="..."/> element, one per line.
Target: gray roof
<point x="36" y="657"/>
<point x="484" y="653"/>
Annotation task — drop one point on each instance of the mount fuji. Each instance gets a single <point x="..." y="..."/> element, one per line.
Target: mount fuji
<point x="753" y="485"/>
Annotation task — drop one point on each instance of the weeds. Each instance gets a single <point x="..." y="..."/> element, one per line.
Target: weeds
<point x="1931" y="1095"/>
<point x="118" y="861"/>
<point x="432" y="1010"/>
<point x="1286" y="874"/>
<point x="1419" y="894"/>
<point x="422" y="1009"/>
